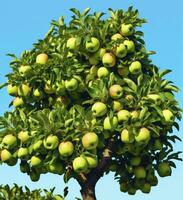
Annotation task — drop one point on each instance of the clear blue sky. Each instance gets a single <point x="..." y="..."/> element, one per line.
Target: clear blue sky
<point x="23" y="22"/>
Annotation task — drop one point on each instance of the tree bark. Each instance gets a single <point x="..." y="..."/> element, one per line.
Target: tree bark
<point x="88" y="192"/>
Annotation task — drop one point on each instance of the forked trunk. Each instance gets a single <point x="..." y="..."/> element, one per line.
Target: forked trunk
<point x="88" y="192"/>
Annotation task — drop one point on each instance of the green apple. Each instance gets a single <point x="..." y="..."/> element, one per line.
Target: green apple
<point x="140" y="172"/>
<point x="124" y="186"/>
<point x="66" y="148"/>
<point x="115" y="91"/>
<point x="42" y="58"/>
<point x="129" y="45"/>
<point x="97" y="56"/>
<point x="92" y="45"/>
<point x="23" y="152"/>
<point x="116" y="106"/>
<point x="123" y="115"/>
<point x="129" y="98"/>
<point x="18" y="101"/>
<point x="80" y="164"/>
<point x="72" y="43"/>
<point x="143" y="136"/>
<point x="91" y="161"/>
<point x="124" y="71"/>
<point x="153" y="181"/>
<point x="121" y="51"/>
<point x="23" y="136"/>
<point x="145" y="188"/>
<point x="25" y="70"/>
<point x="110" y="124"/>
<point x="158" y="145"/>
<point x="135" y="67"/>
<point x="56" y="168"/>
<point x="116" y="36"/>
<point x="108" y="60"/>
<point x="127" y="136"/>
<point x="35" y="161"/>
<point x="127" y="29"/>
<point x="12" y="161"/>
<point x="102" y="72"/>
<point x="51" y="142"/>
<point x="37" y="93"/>
<point x="164" y="169"/>
<point x="132" y="191"/>
<point x="99" y="109"/>
<point x="6" y="155"/>
<point x="49" y="88"/>
<point x="34" y="176"/>
<point x="135" y="114"/>
<point x="90" y="140"/>
<point x="37" y="145"/>
<point x="155" y="97"/>
<point x="71" y="84"/>
<point x="9" y="141"/>
<point x="135" y="161"/>
<point x="24" y="90"/>
<point x="168" y="115"/>
<point x="12" y="90"/>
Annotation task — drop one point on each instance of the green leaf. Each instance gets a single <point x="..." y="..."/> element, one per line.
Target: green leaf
<point x="164" y="72"/>
<point x="131" y="84"/>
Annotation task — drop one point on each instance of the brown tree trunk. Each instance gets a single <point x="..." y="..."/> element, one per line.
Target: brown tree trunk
<point x="88" y="192"/>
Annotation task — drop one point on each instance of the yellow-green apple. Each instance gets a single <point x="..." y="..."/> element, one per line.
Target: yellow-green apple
<point x="12" y="90"/>
<point x="115" y="91"/>
<point x="49" y="88"/>
<point x="56" y="167"/>
<point x="116" y="105"/>
<point x="164" y="169"/>
<point x="99" y="109"/>
<point x="18" y="101"/>
<point x="66" y="148"/>
<point x="71" y="84"/>
<point x="91" y="161"/>
<point x="97" y="56"/>
<point x="102" y="72"/>
<point x="168" y="115"/>
<point x="140" y="172"/>
<point x="35" y="161"/>
<point x="158" y="145"/>
<point x="143" y="136"/>
<point x="108" y="60"/>
<point x="6" y="155"/>
<point x="145" y="188"/>
<point x="80" y="164"/>
<point x="90" y="140"/>
<point x="110" y="124"/>
<point x="132" y="190"/>
<point x="124" y="71"/>
<point x="135" y="161"/>
<point x="153" y="181"/>
<point x="123" y="115"/>
<point x="129" y="97"/>
<point x="127" y="136"/>
<point x="92" y="45"/>
<point x="116" y="36"/>
<point x="9" y="141"/>
<point x="135" y="114"/>
<point x="135" y="67"/>
<point x="127" y="29"/>
<point x="25" y="70"/>
<point x="72" y="43"/>
<point x="155" y="97"/>
<point x="51" y="142"/>
<point x="42" y="58"/>
<point x="37" y="93"/>
<point x="129" y="45"/>
<point x="22" y="152"/>
<point x="23" y="136"/>
<point x="24" y="90"/>
<point x="121" y="51"/>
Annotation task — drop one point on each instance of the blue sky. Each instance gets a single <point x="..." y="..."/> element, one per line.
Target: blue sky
<point x="23" y="22"/>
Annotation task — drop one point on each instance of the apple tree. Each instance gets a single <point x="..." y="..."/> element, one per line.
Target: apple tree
<point x="87" y="100"/>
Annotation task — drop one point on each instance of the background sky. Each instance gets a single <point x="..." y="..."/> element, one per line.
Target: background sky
<point x="23" y="22"/>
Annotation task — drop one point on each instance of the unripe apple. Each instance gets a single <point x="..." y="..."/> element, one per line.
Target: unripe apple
<point x="115" y="91"/>
<point x="129" y="45"/>
<point x="140" y="172"/>
<point x="123" y="115"/>
<point x="108" y="60"/>
<point x="92" y="161"/>
<point x="127" y="29"/>
<point x="145" y="188"/>
<point x="102" y="72"/>
<point x="168" y="115"/>
<point x="127" y="136"/>
<point x="6" y="155"/>
<point x="80" y="164"/>
<point x="99" y="109"/>
<point x="92" y="45"/>
<point x="72" y="43"/>
<point x="34" y="176"/>
<point x="135" y="114"/>
<point x="116" y="37"/>
<point x="42" y="58"/>
<point x="35" y="161"/>
<point x="25" y="70"/>
<point x="155" y="97"/>
<point x="24" y="90"/>
<point x="135" y="67"/>
<point x="158" y="145"/>
<point x="121" y="51"/>
<point x="143" y="136"/>
<point x="49" y="88"/>
<point x="9" y="141"/>
<point x="132" y="191"/>
<point x="135" y="161"/>
<point x="110" y="124"/>
<point x="18" y="101"/>
<point x="129" y="98"/>
<point x="51" y="142"/>
<point x="116" y="106"/>
<point x="12" y="162"/>
<point x="90" y="140"/>
<point x="56" y="168"/>
<point x="37" y="145"/>
<point x="23" y="136"/>
<point x="71" y="84"/>
<point x="153" y="181"/>
<point x="66" y="148"/>
<point x="12" y="90"/>
<point x="124" y="71"/>
<point x="164" y="169"/>
<point x="22" y="152"/>
<point x="37" y="93"/>
<point x="124" y="187"/>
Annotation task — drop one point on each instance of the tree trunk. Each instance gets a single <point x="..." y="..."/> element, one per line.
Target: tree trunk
<point x="88" y="192"/>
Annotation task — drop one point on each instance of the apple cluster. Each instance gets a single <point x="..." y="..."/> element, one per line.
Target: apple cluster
<point x="84" y="86"/>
